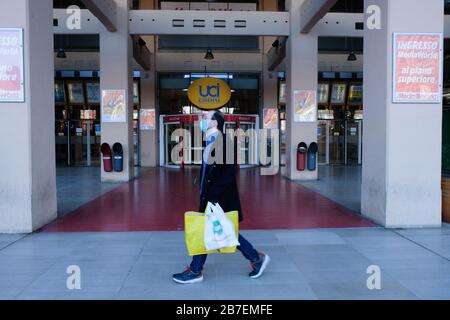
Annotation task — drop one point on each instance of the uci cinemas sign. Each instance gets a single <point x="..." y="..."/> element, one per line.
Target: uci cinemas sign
<point x="209" y="93"/>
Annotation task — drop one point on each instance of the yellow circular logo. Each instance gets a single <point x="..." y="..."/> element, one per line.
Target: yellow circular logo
<point x="209" y="93"/>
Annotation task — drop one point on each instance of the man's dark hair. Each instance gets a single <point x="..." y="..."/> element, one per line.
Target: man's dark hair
<point x="220" y="118"/>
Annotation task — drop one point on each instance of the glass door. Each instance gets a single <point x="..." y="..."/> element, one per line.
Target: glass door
<point x="194" y="147"/>
<point x="323" y="140"/>
<point x="169" y="128"/>
<point x="95" y="141"/>
<point x="354" y="142"/>
<point x="337" y="144"/>
<point x="79" y="143"/>
<point x="136" y="138"/>
<point x="247" y="151"/>
<point x="62" y="149"/>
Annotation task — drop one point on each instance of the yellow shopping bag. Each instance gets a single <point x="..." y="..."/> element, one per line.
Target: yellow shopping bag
<point x="194" y="229"/>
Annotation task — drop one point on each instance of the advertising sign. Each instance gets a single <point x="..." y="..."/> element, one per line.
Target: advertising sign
<point x="338" y="93"/>
<point x="136" y="98"/>
<point x="209" y="93"/>
<point x="114" y="107"/>
<point x="305" y="106"/>
<point x="148" y="119"/>
<point x="323" y="92"/>
<point x="270" y="118"/>
<point x="93" y="92"/>
<point x="355" y="94"/>
<point x="60" y="95"/>
<point x="282" y="93"/>
<point x="76" y="93"/>
<point x="417" y="68"/>
<point x="11" y="65"/>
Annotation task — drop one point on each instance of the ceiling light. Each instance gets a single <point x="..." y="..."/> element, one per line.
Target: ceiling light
<point x="61" y="54"/>
<point x="352" y="57"/>
<point x="209" y="55"/>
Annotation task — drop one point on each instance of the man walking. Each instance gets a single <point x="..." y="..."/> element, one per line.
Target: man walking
<point x="218" y="185"/>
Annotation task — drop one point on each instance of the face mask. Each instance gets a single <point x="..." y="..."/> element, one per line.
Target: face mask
<point x="204" y="125"/>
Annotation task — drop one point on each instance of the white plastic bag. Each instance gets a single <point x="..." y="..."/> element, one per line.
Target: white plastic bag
<point x="219" y="230"/>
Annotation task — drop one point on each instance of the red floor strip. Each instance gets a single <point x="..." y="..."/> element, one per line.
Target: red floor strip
<point x="157" y="200"/>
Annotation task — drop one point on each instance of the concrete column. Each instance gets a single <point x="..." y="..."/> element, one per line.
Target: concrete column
<point x="116" y="74"/>
<point x="270" y="78"/>
<point x="149" y="138"/>
<point x="301" y="74"/>
<point x="402" y="142"/>
<point x="27" y="143"/>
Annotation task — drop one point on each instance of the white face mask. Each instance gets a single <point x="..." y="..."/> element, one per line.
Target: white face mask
<point x="204" y="124"/>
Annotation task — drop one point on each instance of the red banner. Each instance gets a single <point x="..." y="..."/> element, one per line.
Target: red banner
<point x="417" y="68"/>
<point x="11" y="65"/>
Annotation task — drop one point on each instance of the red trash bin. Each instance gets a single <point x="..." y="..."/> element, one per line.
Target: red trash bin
<point x="107" y="157"/>
<point x="302" y="148"/>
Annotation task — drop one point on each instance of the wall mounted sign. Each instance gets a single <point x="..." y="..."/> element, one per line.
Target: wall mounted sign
<point x="209" y="93"/>
<point x="148" y="119"/>
<point x="270" y="118"/>
<point x="11" y="65"/>
<point x="136" y="97"/>
<point x="114" y="107"/>
<point x="76" y="92"/>
<point x="417" y="68"/>
<point x="355" y="94"/>
<point x="338" y="93"/>
<point x="60" y="94"/>
<point x="282" y="93"/>
<point x="93" y="92"/>
<point x="305" y="106"/>
<point x="323" y="93"/>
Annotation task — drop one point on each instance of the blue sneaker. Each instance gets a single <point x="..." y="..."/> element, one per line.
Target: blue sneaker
<point x="259" y="266"/>
<point x="187" y="276"/>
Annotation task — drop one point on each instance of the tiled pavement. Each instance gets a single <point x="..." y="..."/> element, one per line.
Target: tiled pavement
<point x="341" y="184"/>
<point x="306" y="264"/>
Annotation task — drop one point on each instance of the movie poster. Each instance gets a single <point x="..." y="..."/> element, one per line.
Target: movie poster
<point x="114" y="107"/>
<point x="76" y="93"/>
<point x="305" y="106"/>
<point x="93" y="92"/>
<point x="270" y="118"/>
<point x="148" y="120"/>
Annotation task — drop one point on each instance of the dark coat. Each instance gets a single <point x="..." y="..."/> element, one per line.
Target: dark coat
<point x="220" y="186"/>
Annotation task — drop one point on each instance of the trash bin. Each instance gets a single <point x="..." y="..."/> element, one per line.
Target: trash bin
<point x="105" y="149"/>
<point x="312" y="156"/>
<point x="117" y="157"/>
<point x="302" y="148"/>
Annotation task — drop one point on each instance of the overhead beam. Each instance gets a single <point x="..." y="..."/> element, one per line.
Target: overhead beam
<point x="312" y="11"/>
<point x="105" y="11"/>
<point x="171" y="22"/>
<point x="276" y="55"/>
<point x="141" y="53"/>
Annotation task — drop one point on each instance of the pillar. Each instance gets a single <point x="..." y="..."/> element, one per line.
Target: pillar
<point x="401" y="172"/>
<point x="116" y="57"/>
<point x="27" y="143"/>
<point x="270" y="78"/>
<point x="301" y="74"/>
<point x="149" y="137"/>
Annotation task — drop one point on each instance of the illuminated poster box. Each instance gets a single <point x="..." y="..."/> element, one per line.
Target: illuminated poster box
<point x="305" y="106"/>
<point x="417" y="68"/>
<point x="114" y="108"/>
<point x="148" y="121"/>
<point x="270" y="118"/>
<point x="11" y="65"/>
